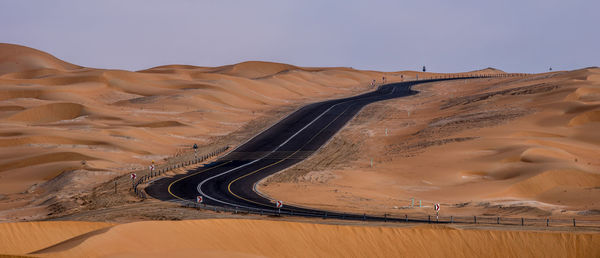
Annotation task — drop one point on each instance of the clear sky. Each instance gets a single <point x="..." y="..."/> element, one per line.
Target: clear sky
<point x="446" y="36"/>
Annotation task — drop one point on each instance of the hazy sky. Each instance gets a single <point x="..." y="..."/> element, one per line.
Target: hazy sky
<point x="446" y="36"/>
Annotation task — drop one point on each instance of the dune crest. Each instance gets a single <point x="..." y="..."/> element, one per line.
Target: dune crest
<point x="548" y="180"/>
<point x="545" y="155"/>
<point x="25" y="237"/>
<point x="249" y="238"/>
<point x="15" y="58"/>
<point x="585" y="118"/>
<point x="256" y="69"/>
<point x="48" y="113"/>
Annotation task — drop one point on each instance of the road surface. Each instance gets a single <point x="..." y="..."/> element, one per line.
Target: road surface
<point x="230" y="181"/>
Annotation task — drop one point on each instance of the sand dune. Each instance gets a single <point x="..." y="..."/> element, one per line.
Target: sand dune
<point x="586" y="94"/>
<point x="548" y="180"/>
<point x="44" y="158"/>
<point x="545" y="155"/>
<point x="520" y="147"/>
<point x="56" y="115"/>
<point x="26" y="237"/>
<point x="15" y="58"/>
<point x="255" y="70"/>
<point x="48" y="113"/>
<point x="505" y="134"/>
<point x="585" y="118"/>
<point x="260" y="238"/>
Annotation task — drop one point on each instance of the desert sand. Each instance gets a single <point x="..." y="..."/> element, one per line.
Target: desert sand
<point x="499" y="147"/>
<point x="263" y="238"/>
<point x="65" y="128"/>
<point x="523" y="146"/>
<point x="27" y="237"/>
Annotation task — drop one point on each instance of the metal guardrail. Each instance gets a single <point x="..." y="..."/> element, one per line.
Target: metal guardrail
<point x="407" y="218"/>
<point x="164" y="168"/>
<point x="468" y="76"/>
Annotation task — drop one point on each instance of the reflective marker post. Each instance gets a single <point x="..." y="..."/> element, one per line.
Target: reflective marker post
<point x="279" y="204"/>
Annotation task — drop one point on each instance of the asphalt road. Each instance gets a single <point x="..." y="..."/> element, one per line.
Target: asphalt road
<point x="231" y="179"/>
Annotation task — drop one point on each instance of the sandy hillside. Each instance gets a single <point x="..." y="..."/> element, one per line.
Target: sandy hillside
<point x="261" y="238"/>
<point x="524" y="146"/>
<point x="26" y="237"/>
<point x="55" y="115"/>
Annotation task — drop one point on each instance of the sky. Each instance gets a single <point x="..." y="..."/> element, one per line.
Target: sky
<point x="527" y="36"/>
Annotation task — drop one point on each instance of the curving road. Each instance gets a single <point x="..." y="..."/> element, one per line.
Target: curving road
<point x="230" y="181"/>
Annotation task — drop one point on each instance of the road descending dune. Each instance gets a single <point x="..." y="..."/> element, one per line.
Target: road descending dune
<point x="524" y="146"/>
<point x="262" y="238"/>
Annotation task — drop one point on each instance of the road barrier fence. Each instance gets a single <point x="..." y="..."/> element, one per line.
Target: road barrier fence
<point x="406" y="218"/>
<point x="191" y="158"/>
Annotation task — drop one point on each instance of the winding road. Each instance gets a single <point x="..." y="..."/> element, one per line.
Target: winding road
<point x="231" y="180"/>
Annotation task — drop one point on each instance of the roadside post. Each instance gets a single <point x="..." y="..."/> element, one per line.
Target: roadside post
<point x="195" y="150"/>
<point x="279" y="204"/>
<point x="151" y="168"/>
<point x="437" y="211"/>
<point x="133" y="175"/>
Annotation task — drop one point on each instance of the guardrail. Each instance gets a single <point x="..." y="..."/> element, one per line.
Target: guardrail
<point x="470" y="76"/>
<point x="407" y="218"/>
<point x="160" y="169"/>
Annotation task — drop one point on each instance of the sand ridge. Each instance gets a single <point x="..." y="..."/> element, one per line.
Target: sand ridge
<point x="26" y="237"/>
<point x="263" y="238"/>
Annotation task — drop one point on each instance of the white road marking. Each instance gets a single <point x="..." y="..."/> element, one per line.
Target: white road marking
<point x="199" y="187"/>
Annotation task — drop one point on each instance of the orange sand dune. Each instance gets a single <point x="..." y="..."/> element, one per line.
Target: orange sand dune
<point x="56" y="116"/>
<point x="15" y="58"/>
<point x="587" y="117"/>
<point x="255" y="70"/>
<point x="27" y="237"/>
<point x="62" y="124"/>
<point x="48" y="113"/>
<point x="261" y="238"/>
<point x="553" y="179"/>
